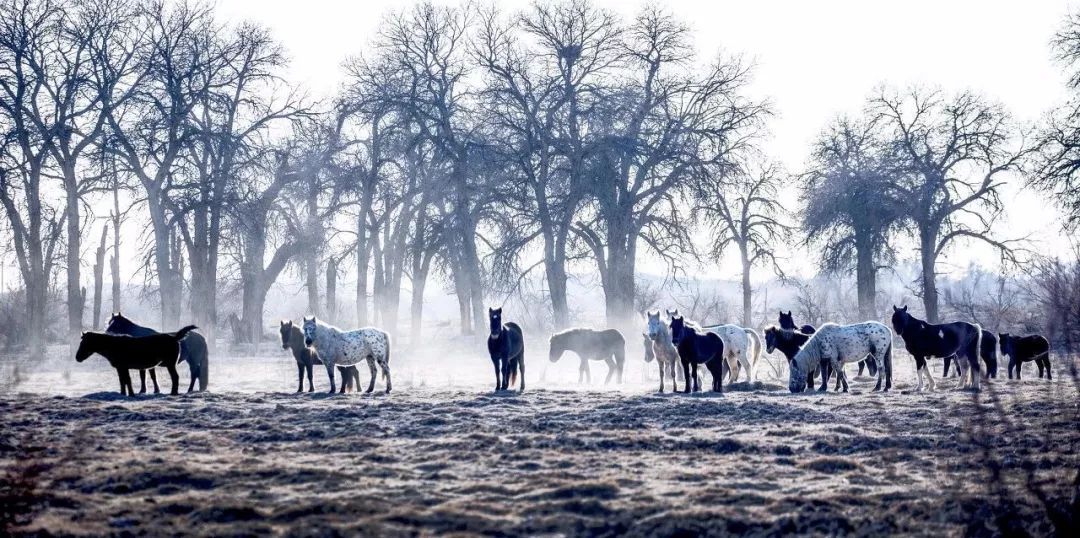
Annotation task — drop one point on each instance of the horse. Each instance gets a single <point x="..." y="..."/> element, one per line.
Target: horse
<point x="833" y="345"/>
<point x="1021" y="349"/>
<point x="924" y="340"/>
<point x="989" y="352"/>
<point x="607" y="345"/>
<point x="506" y="345"/>
<point x="659" y="337"/>
<point x="787" y="321"/>
<point x="135" y="353"/>
<point x="740" y="344"/>
<point x="292" y="339"/>
<point x="193" y="349"/>
<point x="696" y="348"/>
<point x="347" y="348"/>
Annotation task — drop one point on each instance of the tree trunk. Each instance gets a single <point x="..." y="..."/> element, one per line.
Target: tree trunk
<point x="331" y="290"/>
<point x="99" y="276"/>
<point x="115" y="261"/>
<point x="747" y="316"/>
<point x="865" y="276"/>
<point x="168" y="280"/>
<point x="928" y="255"/>
<point x="75" y="298"/>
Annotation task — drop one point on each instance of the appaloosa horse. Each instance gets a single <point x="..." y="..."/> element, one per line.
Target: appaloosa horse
<point x="1021" y="349"/>
<point x="787" y="321"/>
<point x="193" y="350"/>
<point x="292" y="339"/>
<point x="135" y="353"/>
<point x="924" y="340"/>
<point x="506" y="345"/>
<point x="833" y="345"/>
<point x="607" y="345"/>
<point x="698" y="347"/>
<point x="347" y="348"/>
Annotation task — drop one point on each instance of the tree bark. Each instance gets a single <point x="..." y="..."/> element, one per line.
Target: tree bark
<point x="747" y="316"/>
<point x="928" y="255"/>
<point x="331" y="290"/>
<point x="75" y="298"/>
<point x="865" y="275"/>
<point x="115" y="261"/>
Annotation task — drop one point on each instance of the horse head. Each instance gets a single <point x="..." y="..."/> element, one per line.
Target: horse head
<point x="86" y="348"/>
<point x="655" y="325"/>
<point x="310" y="326"/>
<point x="772" y="335"/>
<point x="286" y="333"/>
<point x="495" y="317"/>
<point x="678" y="327"/>
<point x="1005" y="343"/>
<point x="901" y="319"/>
<point x="117" y="323"/>
<point x="786" y="320"/>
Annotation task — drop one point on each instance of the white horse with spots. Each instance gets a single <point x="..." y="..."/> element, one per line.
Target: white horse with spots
<point x="834" y="345"/>
<point x="347" y="348"/>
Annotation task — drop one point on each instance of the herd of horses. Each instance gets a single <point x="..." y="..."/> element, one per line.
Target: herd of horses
<point x="677" y="345"/>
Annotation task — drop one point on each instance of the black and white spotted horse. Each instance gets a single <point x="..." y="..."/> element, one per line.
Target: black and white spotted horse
<point x="930" y="340"/>
<point x="347" y="348"/>
<point x="834" y="345"/>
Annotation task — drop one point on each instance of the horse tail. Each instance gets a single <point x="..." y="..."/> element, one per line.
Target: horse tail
<point x="756" y="354"/>
<point x="994" y="355"/>
<point x="976" y="358"/>
<point x="182" y="333"/>
<point x="386" y="373"/>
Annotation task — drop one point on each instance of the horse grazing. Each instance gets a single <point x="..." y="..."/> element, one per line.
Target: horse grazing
<point x="1021" y="349"/>
<point x="696" y="347"/>
<point x="135" y="353"/>
<point x="789" y="342"/>
<point x="833" y="345"/>
<point x="607" y="345"/>
<point x="506" y="345"/>
<point x="787" y="321"/>
<point x="347" y="348"/>
<point x="988" y="350"/>
<point x="924" y="340"/>
<point x="292" y="339"/>
<point x="193" y="350"/>
<point x="659" y="337"/>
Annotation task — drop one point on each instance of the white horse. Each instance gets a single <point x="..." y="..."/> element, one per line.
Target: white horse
<point x="742" y="349"/>
<point x="667" y="357"/>
<point x="346" y="348"/>
<point x="834" y="345"/>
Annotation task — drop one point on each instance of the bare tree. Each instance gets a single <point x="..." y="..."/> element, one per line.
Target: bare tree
<point x="851" y="205"/>
<point x="743" y="211"/>
<point x="1057" y="165"/>
<point x="956" y="153"/>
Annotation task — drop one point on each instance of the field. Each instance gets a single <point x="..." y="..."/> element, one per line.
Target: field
<point x="443" y="454"/>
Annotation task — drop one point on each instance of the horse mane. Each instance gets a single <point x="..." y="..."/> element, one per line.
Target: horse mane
<point x="122" y="322"/>
<point x="809" y="355"/>
<point x="567" y="333"/>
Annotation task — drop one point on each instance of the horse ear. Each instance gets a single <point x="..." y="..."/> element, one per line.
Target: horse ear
<point x="789" y="313"/>
<point x="894" y="309"/>
<point x="904" y="308"/>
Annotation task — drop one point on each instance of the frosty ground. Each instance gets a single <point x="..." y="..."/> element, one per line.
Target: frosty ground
<point x="445" y="454"/>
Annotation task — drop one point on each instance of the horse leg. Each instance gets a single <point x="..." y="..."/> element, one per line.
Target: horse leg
<point x="948" y="361"/>
<point x="661" y="365"/>
<point x="610" y="369"/>
<point x="686" y="376"/>
<point x="310" y="385"/>
<point x="123" y="387"/>
<point x="839" y="367"/>
<point x="521" y="371"/>
<point x="862" y="364"/>
<point x="498" y="381"/>
<point x="330" y="373"/>
<point x="385" y="367"/>
<point x="371" y="367"/>
<point x="142" y="381"/>
<point x="174" y="376"/>
<point x="1039" y="365"/>
<point x="194" y="369"/>
<point x="153" y="379"/>
<point x="1019" y="364"/>
<point x="697" y="380"/>
<point x="824" y="367"/>
<point x="300" y="376"/>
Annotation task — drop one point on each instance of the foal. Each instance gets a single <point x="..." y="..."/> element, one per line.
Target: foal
<point x="1021" y="349"/>
<point x="135" y="353"/>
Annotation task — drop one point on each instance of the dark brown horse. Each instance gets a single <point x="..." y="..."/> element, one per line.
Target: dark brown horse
<point x="135" y="353"/>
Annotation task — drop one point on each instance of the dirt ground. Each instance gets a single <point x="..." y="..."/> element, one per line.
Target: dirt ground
<point x="444" y="455"/>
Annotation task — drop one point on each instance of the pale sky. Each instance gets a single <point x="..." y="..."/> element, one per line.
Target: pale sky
<point x="813" y="60"/>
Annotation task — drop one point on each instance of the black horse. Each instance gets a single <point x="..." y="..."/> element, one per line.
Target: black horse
<point x="507" y="348"/>
<point x="925" y="340"/>
<point x="135" y="353"/>
<point x="989" y="352"/>
<point x="193" y="349"/>
<point x="787" y="321"/>
<point x="788" y="342"/>
<point x="1021" y="349"/>
<point x="696" y="348"/>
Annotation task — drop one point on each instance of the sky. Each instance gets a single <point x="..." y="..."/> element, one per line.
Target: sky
<point x="813" y="61"/>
